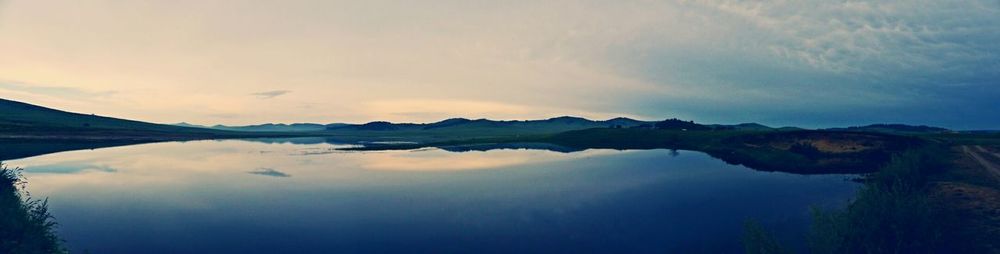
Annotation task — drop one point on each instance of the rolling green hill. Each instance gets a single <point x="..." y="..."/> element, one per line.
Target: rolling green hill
<point x="461" y="128"/>
<point x="19" y="115"/>
<point x="558" y="124"/>
<point x="551" y="125"/>
<point x="21" y="120"/>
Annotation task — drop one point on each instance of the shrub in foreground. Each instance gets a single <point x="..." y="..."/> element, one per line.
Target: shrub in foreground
<point x="25" y="224"/>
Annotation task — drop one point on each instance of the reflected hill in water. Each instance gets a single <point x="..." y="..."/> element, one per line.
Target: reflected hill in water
<point x="24" y="148"/>
<point x="29" y="130"/>
<point x="801" y="152"/>
<point x="798" y="151"/>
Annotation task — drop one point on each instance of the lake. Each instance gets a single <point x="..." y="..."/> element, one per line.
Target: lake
<point x="271" y="196"/>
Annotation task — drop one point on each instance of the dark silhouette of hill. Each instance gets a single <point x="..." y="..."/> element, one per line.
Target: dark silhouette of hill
<point x="19" y="115"/>
<point x="894" y="128"/>
<point x="23" y="120"/>
<point x="556" y="124"/>
<point x="20" y="120"/>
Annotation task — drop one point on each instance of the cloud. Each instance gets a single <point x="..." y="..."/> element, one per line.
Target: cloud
<point x="53" y="91"/>
<point x="270" y="94"/>
<point x="874" y="39"/>
<point x="821" y="63"/>
<point x="779" y="62"/>
<point x="268" y="172"/>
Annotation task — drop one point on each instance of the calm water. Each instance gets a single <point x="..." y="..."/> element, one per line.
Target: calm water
<point x="254" y="197"/>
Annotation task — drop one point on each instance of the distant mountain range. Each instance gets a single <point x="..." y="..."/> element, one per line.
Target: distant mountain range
<point x="18" y="119"/>
<point x="553" y="124"/>
<point x="563" y="123"/>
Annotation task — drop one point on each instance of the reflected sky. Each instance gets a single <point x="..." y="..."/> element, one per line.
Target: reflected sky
<point x="68" y="168"/>
<point x="256" y="197"/>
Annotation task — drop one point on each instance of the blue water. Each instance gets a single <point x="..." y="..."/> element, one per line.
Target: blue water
<point x="253" y="197"/>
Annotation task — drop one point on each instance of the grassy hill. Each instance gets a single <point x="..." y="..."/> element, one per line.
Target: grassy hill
<point x="19" y="115"/>
<point x="557" y="124"/>
<point x="895" y="129"/>
<point x="20" y="120"/>
<point x="461" y="129"/>
<point x="454" y="128"/>
<point x="23" y="120"/>
<point x="485" y="128"/>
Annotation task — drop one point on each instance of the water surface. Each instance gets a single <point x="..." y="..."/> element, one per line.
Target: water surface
<point x="305" y="197"/>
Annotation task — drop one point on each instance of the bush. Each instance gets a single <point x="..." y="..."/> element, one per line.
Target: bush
<point x="675" y="124"/>
<point x="891" y="214"/>
<point x="25" y="224"/>
<point x="806" y="149"/>
<point x="757" y="240"/>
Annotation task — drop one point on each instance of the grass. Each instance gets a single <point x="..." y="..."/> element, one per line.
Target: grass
<point x="25" y="223"/>
<point x="757" y="240"/>
<point x="892" y="213"/>
<point x="985" y="138"/>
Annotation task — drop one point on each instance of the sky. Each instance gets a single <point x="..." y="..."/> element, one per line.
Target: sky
<point x="810" y="63"/>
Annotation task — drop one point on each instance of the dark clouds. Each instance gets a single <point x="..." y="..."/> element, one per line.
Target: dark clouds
<point x="833" y="63"/>
<point x="809" y="63"/>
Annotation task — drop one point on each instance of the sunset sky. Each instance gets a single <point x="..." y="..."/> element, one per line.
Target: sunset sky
<point x="805" y="63"/>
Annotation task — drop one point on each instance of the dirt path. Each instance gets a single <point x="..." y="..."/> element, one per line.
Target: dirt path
<point x="970" y="202"/>
<point x="981" y="149"/>
<point x="978" y="154"/>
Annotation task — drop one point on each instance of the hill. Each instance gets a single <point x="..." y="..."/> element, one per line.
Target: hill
<point x="487" y="126"/>
<point x="23" y="120"/>
<point x="894" y="128"/>
<point x="548" y="125"/>
<point x="746" y="127"/>
<point x="20" y="120"/>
